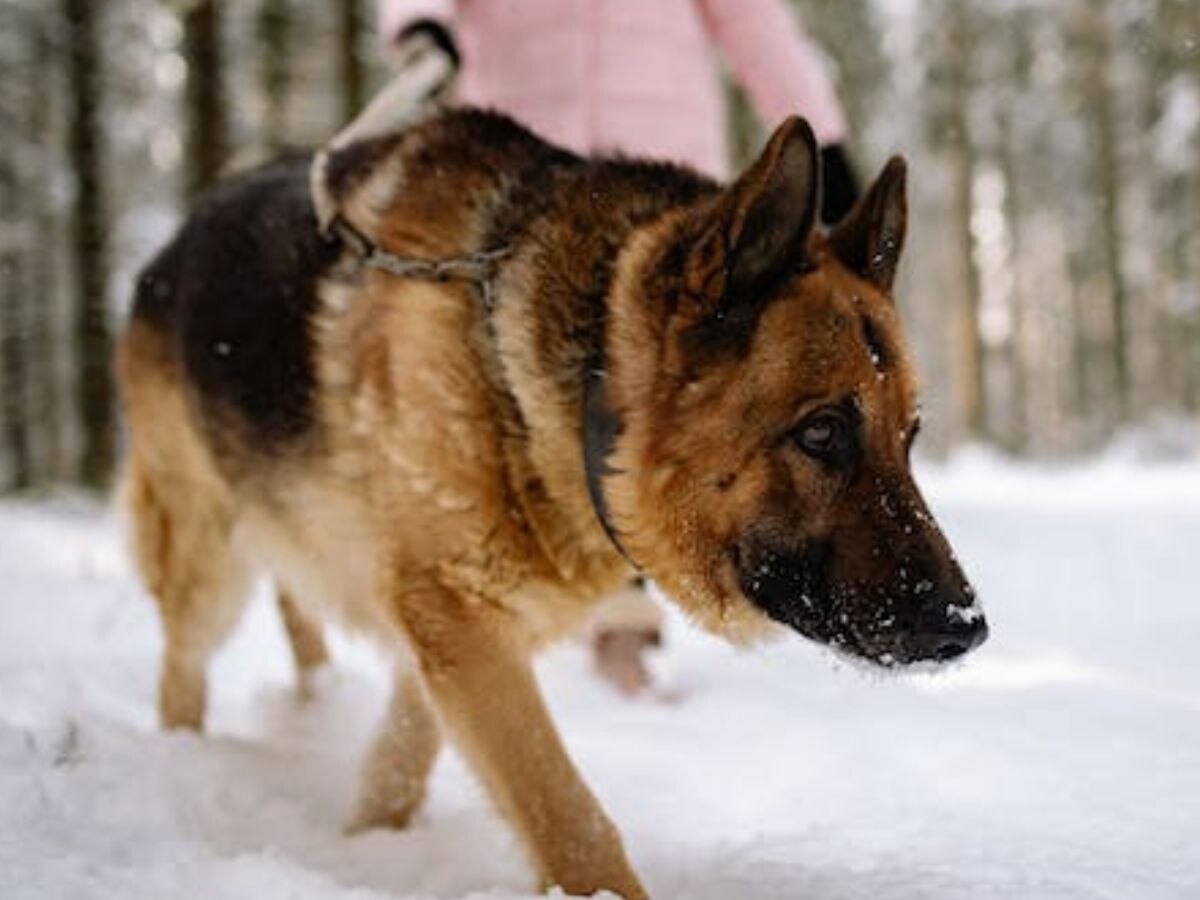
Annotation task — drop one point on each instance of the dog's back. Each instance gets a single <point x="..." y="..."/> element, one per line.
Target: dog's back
<point x="232" y="297"/>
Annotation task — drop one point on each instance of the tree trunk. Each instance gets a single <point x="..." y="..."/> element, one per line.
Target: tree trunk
<point x="350" y="64"/>
<point x="204" y="99"/>
<point x="1191" y="331"/>
<point x="14" y="372"/>
<point x="972" y="391"/>
<point x="1016" y="356"/>
<point x="1107" y="184"/>
<point x="45" y="373"/>
<point x="88" y="243"/>
<point x="15" y="248"/>
<point x="274" y="21"/>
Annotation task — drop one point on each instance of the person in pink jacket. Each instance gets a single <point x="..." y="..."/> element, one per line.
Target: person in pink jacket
<point x="634" y="76"/>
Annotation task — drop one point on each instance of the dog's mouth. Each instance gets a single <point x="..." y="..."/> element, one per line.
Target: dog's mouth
<point x="876" y="627"/>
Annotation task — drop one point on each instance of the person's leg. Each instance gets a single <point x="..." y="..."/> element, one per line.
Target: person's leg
<point x="624" y="628"/>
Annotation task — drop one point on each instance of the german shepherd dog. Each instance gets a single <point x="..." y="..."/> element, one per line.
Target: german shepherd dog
<point x="653" y="372"/>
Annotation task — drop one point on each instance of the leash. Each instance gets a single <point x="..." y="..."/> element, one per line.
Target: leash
<point x="478" y="268"/>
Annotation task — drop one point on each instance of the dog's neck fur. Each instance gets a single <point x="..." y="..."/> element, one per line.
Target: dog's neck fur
<point x="477" y="182"/>
<point x="563" y="269"/>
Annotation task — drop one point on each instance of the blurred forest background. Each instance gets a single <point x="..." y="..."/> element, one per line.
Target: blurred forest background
<point x="1052" y="281"/>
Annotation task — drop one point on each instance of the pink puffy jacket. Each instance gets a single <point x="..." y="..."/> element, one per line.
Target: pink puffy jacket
<point x="631" y="75"/>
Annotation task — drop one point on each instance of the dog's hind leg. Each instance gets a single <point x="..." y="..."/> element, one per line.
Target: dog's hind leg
<point x="182" y="516"/>
<point x="184" y="555"/>
<point x="183" y="551"/>
<point x="305" y="638"/>
<point x="397" y="768"/>
<point x="482" y="683"/>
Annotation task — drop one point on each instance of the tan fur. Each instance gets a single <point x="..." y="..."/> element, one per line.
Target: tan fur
<point x="439" y="502"/>
<point x="183" y="515"/>
<point x="808" y="346"/>
<point x="340" y="535"/>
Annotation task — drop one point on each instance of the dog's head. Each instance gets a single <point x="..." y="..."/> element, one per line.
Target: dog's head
<point x="767" y="406"/>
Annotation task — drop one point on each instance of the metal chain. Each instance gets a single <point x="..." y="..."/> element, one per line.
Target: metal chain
<point x="477" y="268"/>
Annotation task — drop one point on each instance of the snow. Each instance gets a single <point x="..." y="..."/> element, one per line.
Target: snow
<point x="1060" y="761"/>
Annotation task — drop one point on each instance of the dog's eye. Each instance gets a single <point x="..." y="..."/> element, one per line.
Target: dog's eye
<point x="818" y="436"/>
<point x="828" y="437"/>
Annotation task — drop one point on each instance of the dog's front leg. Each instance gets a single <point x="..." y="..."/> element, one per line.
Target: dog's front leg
<point x="484" y="688"/>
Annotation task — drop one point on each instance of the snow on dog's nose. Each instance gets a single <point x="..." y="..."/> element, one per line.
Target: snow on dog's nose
<point x="947" y="629"/>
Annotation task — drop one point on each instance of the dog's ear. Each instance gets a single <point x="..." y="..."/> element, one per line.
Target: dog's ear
<point x="763" y="220"/>
<point x="869" y="239"/>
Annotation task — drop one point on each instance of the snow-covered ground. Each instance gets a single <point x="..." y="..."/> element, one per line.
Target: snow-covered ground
<point x="1061" y="761"/>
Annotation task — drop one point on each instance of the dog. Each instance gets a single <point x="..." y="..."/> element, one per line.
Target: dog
<point x="481" y="381"/>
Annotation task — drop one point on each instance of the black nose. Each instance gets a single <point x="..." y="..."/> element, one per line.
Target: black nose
<point x="955" y="632"/>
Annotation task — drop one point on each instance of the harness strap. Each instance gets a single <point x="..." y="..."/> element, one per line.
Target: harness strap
<point x="601" y="426"/>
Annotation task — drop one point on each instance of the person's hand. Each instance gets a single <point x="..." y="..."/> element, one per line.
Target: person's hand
<point x="423" y="48"/>
<point x="840" y="183"/>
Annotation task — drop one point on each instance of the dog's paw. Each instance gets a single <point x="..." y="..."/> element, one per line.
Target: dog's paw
<point x="390" y="803"/>
<point x="311" y="682"/>
<point x="370" y="817"/>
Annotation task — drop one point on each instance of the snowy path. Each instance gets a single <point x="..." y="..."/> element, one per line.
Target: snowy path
<point x="1062" y="761"/>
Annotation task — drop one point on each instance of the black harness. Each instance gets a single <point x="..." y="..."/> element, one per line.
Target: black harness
<point x="601" y="428"/>
<point x="601" y="425"/>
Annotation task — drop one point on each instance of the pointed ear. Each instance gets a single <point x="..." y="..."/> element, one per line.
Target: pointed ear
<point x="768" y="213"/>
<point x="869" y="239"/>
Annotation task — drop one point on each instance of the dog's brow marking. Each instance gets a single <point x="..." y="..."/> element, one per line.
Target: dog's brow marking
<point x="875" y="345"/>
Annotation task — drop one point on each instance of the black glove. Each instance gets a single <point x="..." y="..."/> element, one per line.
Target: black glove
<point x="841" y="184"/>
<point x="425" y="56"/>
<point x="437" y="34"/>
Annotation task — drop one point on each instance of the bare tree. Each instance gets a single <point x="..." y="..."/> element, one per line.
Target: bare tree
<point x="273" y="25"/>
<point x="88" y="242"/>
<point x="45" y="372"/>
<point x="1106" y="179"/>
<point x="14" y="241"/>
<point x="1191" y="331"/>
<point x="14" y="321"/>
<point x="206" y="142"/>
<point x="1010" y="141"/>
<point x="352" y="74"/>
<point x="971" y="384"/>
